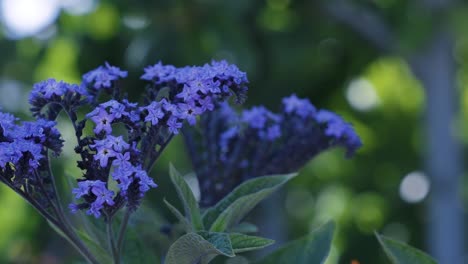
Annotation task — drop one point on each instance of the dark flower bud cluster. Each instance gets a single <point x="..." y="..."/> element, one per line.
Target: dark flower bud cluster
<point x="256" y="142"/>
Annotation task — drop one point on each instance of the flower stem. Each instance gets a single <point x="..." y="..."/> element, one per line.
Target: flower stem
<point x="123" y="228"/>
<point x="111" y="240"/>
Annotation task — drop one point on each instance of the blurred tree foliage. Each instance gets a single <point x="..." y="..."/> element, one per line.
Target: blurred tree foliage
<point x="286" y="47"/>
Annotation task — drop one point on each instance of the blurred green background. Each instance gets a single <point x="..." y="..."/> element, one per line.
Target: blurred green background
<point x="354" y="57"/>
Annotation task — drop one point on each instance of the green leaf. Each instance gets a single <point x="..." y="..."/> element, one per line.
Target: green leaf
<point x="187" y="226"/>
<point x="236" y="205"/>
<point x="242" y="243"/>
<point x="314" y="248"/>
<point x="136" y="250"/>
<point x="400" y="253"/>
<point x="221" y="241"/>
<point x="193" y="248"/>
<point x="192" y="212"/>
<point x="237" y="260"/>
<point x="245" y="228"/>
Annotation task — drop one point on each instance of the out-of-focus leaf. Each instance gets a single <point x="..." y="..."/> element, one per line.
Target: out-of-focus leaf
<point x="237" y="260"/>
<point x="314" y="248"/>
<point x="235" y="206"/>
<point x="400" y="253"/>
<point x="187" y="226"/>
<point x="136" y="251"/>
<point x="193" y="248"/>
<point x="192" y="211"/>
<point x="245" y="228"/>
<point x="242" y="243"/>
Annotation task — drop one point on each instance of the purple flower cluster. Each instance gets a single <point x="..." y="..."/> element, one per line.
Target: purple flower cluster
<point x="97" y="189"/>
<point x="111" y="112"/>
<point x="258" y="142"/>
<point x="193" y="84"/>
<point x="103" y="77"/>
<point x="56" y="95"/>
<point x="23" y="148"/>
<point x="175" y="96"/>
<point x="116" y="155"/>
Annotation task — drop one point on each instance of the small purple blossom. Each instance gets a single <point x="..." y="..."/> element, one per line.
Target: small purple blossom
<point x="102" y="119"/>
<point x="83" y="189"/>
<point x="301" y="107"/>
<point x="174" y="125"/>
<point x="103" y="154"/>
<point x="155" y="113"/>
<point x="103" y="76"/>
<point x="189" y="112"/>
<point x="159" y="73"/>
<point x="206" y="104"/>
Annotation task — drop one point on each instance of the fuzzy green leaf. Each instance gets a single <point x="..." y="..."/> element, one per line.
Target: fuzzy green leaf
<point x="192" y="211"/>
<point x="193" y="248"/>
<point x="314" y="248"/>
<point x="242" y="243"/>
<point x="236" y="205"/>
<point x="245" y="228"/>
<point x="400" y="253"/>
<point x="187" y="226"/>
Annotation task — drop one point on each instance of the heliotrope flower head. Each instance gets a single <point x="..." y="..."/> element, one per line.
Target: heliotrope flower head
<point x="48" y="97"/>
<point x="195" y="83"/>
<point x="23" y="155"/>
<point x="175" y="97"/>
<point x="126" y="139"/>
<point x="257" y="142"/>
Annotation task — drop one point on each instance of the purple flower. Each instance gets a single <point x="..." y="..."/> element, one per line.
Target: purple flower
<point x="301" y="107"/>
<point x="48" y="88"/>
<point x="123" y="175"/>
<point x="103" y="154"/>
<point x="115" y="71"/>
<point x="159" y="73"/>
<point x="200" y="85"/>
<point x="145" y="181"/>
<point x="74" y="208"/>
<point x="188" y="94"/>
<point x="103" y="76"/>
<point x="83" y="189"/>
<point x="155" y="113"/>
<point x="255" y="117"/>
<point x="116" y="109"/>
<point x="103" y="195"/>
<point x="118" y="143"/>
<point x="189" y="112"/>
<point x="273" y="132"/>
<point x="102" y="119"/>
<point x="174" y="125"/>
<point x="122" y="159"/>
<point x="340" y="130"/>
<point x="206" y="104"/>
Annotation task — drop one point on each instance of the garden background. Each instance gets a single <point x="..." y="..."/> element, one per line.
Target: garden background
<point x="398" y="70"/>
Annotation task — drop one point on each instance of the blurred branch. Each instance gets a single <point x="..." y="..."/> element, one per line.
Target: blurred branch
<point x="362" y="20"/>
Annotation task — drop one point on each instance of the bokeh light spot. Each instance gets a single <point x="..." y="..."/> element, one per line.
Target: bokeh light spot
<point x="23" y="18"/>
<point x="361" y="95"/>
<point x="414" y="187"/>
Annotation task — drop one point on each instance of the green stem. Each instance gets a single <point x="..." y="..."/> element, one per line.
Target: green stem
<point x="111" y="240"/>
<point x="123" y="228"/>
